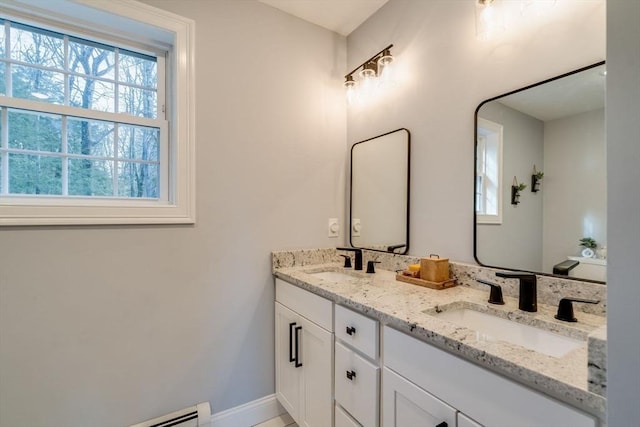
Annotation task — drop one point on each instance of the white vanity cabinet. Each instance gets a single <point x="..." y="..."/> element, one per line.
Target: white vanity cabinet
<point x="404" y="404"/>
<point x="479" y="396"/>
<point x="304" y="355"/>
<point x="464" y="421"/>
<point x="357" y="368"/>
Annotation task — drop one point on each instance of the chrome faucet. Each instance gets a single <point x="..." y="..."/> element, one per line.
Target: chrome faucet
<point x="358" y="261"/>
<point x="528" y="300"/>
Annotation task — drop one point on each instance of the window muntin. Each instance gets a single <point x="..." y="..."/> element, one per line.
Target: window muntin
<point x="489" y="172"/>
<point x="79" y="118"/>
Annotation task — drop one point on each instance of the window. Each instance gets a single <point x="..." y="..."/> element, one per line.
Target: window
<point x="488" y="201"/>
<point x="85" y="120"/>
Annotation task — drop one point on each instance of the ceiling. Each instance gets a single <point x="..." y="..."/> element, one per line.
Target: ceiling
<point x="341" y="16"/>
<point x="581" y="92"/>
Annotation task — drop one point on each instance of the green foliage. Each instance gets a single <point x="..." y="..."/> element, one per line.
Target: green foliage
<point x="588" y="242"/>
<point x="35" y="164"/>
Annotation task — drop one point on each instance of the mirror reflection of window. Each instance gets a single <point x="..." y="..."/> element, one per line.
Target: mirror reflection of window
<point x="489" y="172"/>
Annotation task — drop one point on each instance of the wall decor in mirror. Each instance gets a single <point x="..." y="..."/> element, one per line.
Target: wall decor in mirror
<point x="552" y="132"/>
<point x="379" y="196"/>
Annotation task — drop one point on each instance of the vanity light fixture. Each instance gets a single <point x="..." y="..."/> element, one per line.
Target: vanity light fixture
<point x="489" y="18"/>
<point x="370" y="69"/>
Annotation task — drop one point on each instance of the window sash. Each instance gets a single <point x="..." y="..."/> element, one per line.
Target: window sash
<point x="143" y="28"/>
<point x="64" y="111"/>
<point x="488" y="154"/>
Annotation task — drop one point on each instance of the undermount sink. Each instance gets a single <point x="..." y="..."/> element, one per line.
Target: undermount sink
<point x="490" y="327"/>
<point x="333" y="276"/>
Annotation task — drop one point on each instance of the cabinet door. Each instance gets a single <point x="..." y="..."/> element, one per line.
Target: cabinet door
<point x="316" y="357"/>
<point x="343" y="419"/>
<point x="406" y="405"/>
<point x="356" y="385"/>
<point x="464" y="421"/>
<point x="288" y="376"/>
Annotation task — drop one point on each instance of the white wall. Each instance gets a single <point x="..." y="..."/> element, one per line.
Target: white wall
<point x="444" y="73"/>
<point x="623" y="211"/>
<point x="574" y="186"/>
<point x="517" y="242"/>
<point x="107" y="326"/>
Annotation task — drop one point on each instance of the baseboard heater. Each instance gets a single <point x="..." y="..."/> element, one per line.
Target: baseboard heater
<point x="194" y="416"/>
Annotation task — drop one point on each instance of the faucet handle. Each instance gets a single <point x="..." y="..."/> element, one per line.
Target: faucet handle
<point x="565" y="308"/>
<point x="515" y="274"/>
<point x="347" y="261"/>
<point x="495" y="296"/>
<point x="371" y="266"/>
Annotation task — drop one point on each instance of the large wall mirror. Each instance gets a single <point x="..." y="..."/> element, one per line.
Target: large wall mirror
<point x="379" y="208"/>
<point x="540" y="179"/>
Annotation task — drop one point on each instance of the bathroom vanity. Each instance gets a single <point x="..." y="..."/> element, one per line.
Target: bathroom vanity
<point x="358" y="349"/>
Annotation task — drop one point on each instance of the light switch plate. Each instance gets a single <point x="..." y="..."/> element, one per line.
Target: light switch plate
<point x="356" y="226"/>
<point x="334" y="227"/>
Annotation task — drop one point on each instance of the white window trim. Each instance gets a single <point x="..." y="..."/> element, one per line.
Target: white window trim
<point x="487" y="127"/>
<point x="181" y="207"/>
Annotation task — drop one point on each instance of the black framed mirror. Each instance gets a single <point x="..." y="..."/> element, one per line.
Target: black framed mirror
<point x="540" y="177"/>
<point x="379" y="192"/>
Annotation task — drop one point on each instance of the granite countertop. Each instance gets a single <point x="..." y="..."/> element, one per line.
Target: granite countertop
<point x="402" y="306"/>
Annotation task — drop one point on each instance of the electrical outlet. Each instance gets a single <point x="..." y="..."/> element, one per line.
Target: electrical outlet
<point x="334" y="227"/>
<point x="356" y="226"/>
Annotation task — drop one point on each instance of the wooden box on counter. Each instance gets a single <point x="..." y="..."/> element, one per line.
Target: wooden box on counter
<point x="434" y="269"/>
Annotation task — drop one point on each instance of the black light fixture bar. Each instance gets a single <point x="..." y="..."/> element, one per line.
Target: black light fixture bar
<point x="374" y="57"/>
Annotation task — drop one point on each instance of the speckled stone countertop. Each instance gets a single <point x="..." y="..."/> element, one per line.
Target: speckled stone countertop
<point x="410" y="308"/>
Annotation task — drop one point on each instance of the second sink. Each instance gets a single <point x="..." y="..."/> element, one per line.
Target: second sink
<point x="493" y="328"/>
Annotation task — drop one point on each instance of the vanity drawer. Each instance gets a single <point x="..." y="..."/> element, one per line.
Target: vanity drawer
<point x="356" y="385"/>
<point x="358" y="331"/>
<point x="343" y="419"/>
<point x="315" y="308"/>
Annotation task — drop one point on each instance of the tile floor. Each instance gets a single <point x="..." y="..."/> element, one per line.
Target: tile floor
<point x="284" y="420"/>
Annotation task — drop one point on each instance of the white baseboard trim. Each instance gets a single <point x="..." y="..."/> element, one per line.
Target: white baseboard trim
<point x="249" y="414"/>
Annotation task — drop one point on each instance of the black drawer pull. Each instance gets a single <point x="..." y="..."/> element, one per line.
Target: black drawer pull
<point x="351" y="375"/>
<point x="297" y="355"/>
<point x="442" y="424"/>
<point x="291" y="325"/>
<point x="351" y="330"/>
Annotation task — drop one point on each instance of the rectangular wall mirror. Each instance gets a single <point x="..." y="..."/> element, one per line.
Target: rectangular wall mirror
<point x="379" y="207"/>
<point x="540" y="177"/>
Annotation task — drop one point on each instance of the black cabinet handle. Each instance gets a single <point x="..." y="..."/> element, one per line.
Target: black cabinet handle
<point x="351" y="375"/>
<point x="442" y="424"/>
<point x="291" y="325"/>
<point x="351" y="330"/>
<point x="296" y="355"/>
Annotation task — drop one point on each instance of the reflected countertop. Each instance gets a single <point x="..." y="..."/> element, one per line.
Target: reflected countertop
<point x="403" y="305"/>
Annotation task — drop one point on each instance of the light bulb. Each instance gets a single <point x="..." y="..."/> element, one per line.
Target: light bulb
<point x="385" y="59"/>
<point x="388" y="76"/>
<point x="369" y="70"/>
<point x="350" y="85"/>
<point x="489" y="19"/>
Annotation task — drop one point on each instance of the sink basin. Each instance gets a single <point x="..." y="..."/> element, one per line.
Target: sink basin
<point x="333" y="276"/>
<point x="493" y="328"/>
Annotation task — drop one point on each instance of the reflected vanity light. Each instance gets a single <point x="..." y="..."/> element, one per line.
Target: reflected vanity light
<point x="376" y="69"/>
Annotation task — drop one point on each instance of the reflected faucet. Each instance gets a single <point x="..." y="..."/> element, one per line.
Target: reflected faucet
<point x="358" y="260"/>
<point x="528" y="300"/>
<point x="393" y="248"/>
